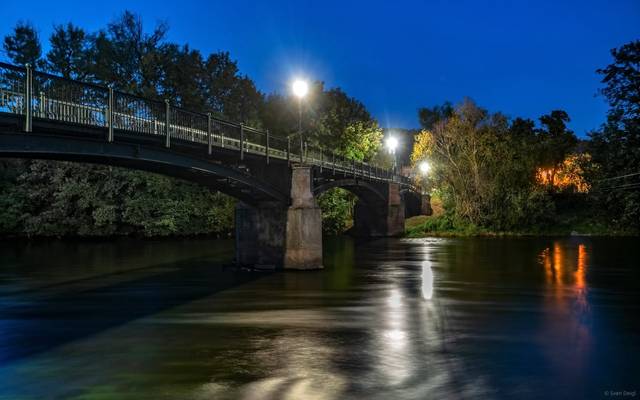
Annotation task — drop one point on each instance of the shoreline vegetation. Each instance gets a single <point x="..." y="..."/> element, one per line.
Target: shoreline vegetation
<point x="440" y="226"/>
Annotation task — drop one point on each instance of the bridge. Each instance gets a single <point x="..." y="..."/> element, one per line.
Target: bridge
<point x="276" y="178"/>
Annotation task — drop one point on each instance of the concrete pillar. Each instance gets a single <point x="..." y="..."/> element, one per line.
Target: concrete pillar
<point x="304" y="224"/>
<point x="260" y="234"/>
<point x="395" y="211"/>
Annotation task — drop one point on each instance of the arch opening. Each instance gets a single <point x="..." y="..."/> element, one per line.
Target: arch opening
<point x="347" y="204"/>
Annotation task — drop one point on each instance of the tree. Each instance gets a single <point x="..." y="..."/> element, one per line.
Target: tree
<point x="23" y="45"/>
<point x="344" y="124"/>
<point x="181" y="77"/>
<point x="482" y="168"/>
<point x="622" y="80"/>
<point x="555" y="142"/>
<point x="616" y="146"/>
<point x="228" y="93"/>
<point x="126" y="56"/>
<point x="331" y="119"/>
<point x="69" y="55"/>
<point x="428" y="117"/>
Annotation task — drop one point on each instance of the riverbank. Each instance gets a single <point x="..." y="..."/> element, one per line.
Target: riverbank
<point x="423" y="226"/>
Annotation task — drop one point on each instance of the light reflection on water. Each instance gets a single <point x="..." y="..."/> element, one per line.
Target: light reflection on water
<point x="568" y="313"/>
<point x="427" y="280"/>
<point x="408" y="319"/>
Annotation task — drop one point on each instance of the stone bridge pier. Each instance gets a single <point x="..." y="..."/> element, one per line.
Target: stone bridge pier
<point x="272" y="234"/>
<point x="290" y="236"/>
<point x="380" y="217"/>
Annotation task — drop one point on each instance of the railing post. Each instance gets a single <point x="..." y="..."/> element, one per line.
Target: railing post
<point x="209" y="133"/>
<point x="288" y="150"/>
<point x="28" y="118"/>
<point x="110" y="115"/>
<point x="354" y="168"/>
<point x="41" y="108"/>
<point x="344" y="167"/>
<point x="333" y="161"/>
<point x="167" y="119"/>
<point x="321" y="158"/>
<point x="241" y="141"/>
<point x="301" y="150"/>
<point x="267" y="149"/>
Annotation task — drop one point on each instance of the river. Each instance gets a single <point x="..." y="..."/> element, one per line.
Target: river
<point x="526" y="318"/>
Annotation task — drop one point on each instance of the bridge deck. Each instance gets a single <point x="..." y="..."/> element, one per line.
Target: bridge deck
<point x="65" y="105"/>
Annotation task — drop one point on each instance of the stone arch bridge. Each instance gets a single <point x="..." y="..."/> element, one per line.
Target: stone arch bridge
<point x="278" y="221"/>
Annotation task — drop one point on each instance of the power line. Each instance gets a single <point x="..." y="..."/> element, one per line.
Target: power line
<point x="625" y="186"/>
<point x="618" y="177"/>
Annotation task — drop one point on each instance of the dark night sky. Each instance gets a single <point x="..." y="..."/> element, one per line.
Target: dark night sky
<point x="523" y="58"/>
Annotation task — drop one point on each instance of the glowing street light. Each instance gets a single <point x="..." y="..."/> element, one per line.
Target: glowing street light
<point x="392" y="144"/>
<point x="424" y="167"/>
<point x="300" y="89"/>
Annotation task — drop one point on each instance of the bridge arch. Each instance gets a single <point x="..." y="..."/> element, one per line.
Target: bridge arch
<point x="365" y="191"/>
<point x="371" y="208"/>
<point x="231" y="181"/>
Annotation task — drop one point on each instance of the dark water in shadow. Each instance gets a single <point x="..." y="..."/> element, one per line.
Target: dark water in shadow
<point x="390" y="319"/>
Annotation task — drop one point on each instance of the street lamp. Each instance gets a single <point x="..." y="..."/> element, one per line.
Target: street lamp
<point x="424" y="167"/>
<point x="300" y="89"/>
<point x="392" y="143"/>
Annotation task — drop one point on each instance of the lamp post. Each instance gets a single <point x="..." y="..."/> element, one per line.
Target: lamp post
<point x="300" y="89"/>
<point x="392" y="143"/>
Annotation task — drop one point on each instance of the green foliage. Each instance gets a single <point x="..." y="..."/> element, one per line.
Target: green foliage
<point x="126" y="56"/>
<point x="443" y="225"/>
<point x="554" y="142"/>
<point x="23" y="45"/>
<point x="575" y="215"/>
<point x="69" y="54"/>
<point x="331" y="119"/>
<point x="337" y="210"/>
<point x="429" y="117"/>
<point x="483" y="165"/>
<point x="69" y="199"/>
<point x="616" y="146"/>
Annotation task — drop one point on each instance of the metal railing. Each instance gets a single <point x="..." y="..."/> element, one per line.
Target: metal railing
<point x="35" y="94"/>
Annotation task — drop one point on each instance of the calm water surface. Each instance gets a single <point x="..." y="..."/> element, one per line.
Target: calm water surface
<point x="389" y="319"/>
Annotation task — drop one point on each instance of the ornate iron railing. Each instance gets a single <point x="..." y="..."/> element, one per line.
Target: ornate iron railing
<point x="39" y="95"/>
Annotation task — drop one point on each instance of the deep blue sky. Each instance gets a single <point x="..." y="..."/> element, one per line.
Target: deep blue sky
<point x="523" y="58"/>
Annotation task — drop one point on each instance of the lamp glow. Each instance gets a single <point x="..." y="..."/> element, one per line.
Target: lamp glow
<point x="424" y="167"/>
<point x="391" y="143"/>
<point x="300" y="88"/>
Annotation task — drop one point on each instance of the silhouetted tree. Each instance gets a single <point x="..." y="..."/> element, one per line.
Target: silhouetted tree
<point x="616" y="146"/>
<point x="69" y="55"/>
<point x="23" y="45"/>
